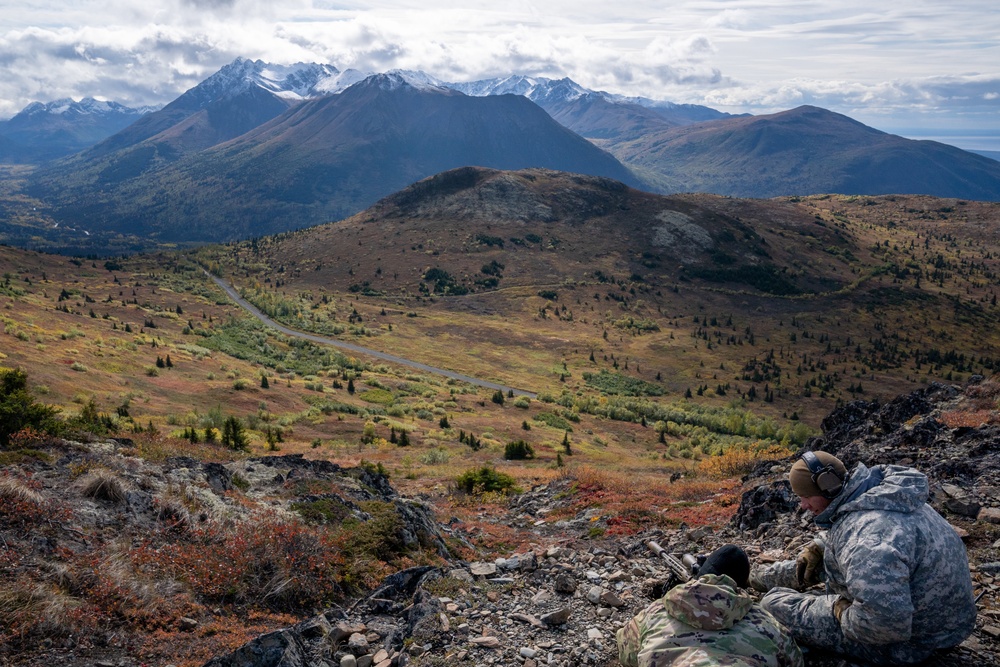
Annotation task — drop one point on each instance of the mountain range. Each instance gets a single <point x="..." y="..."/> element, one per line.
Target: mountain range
<point x="42" y="132"/>
<point x="258" y="148"/>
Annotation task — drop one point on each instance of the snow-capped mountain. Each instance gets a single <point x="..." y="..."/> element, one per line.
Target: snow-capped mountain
<point x="318" y="160"/>
<point x="239" y="97"/>
<point x="43" y="131"/>
<point x="88" y="106"/>
<point x="535" y="89"/>
<point x="554" y="95"/>
<point x="246" y="93"/>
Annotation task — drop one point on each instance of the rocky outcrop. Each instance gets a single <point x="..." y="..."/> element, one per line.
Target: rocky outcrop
<point x="558" y="607"/>
<point x="561" y="605"/>
<point x="913" y="430"/>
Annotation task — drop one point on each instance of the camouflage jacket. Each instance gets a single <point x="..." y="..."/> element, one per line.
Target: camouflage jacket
<point x="903" y="566"/>
<point x="706" y="623"/>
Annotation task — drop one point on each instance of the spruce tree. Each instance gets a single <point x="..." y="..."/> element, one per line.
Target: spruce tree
<point x="233" y="435"/>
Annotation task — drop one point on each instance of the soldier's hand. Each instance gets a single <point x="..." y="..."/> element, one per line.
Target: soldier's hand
<point x="808" y="565"/>
<point x="840" y="606"/>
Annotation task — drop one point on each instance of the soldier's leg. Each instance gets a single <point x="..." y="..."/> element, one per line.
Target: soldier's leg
<point x="776" y="575"/>
<point x="810" y="620"/>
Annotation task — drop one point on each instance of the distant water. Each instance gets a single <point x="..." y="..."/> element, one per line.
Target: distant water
<point x="982" y="141"/>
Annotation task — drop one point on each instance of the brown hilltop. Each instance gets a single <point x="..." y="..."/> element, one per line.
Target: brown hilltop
<point x="583" y="224"/>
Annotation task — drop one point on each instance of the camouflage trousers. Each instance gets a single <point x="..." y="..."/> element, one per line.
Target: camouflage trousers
<point x="810" y="620"/>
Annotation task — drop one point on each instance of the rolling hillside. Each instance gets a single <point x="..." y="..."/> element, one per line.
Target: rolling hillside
<point x="541" y="278"/>
<point x="804" y="151"/>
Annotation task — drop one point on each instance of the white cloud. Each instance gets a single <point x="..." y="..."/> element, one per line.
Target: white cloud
<point x="875" y="59"/>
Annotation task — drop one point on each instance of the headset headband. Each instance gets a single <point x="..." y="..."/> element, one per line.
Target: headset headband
<point x="825" y="477"/>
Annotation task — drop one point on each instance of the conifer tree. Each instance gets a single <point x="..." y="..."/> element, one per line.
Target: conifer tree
<point x="233" y="435"/>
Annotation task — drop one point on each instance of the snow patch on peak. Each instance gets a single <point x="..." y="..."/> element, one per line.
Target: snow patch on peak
<point x="417" y="79"/>
<point x="342" y="81"/>
<point x="385" y="81"/>
<point x="297" y="81"/>
<point x="534" y="88"/>
<point x="88" y="106"/>
<point x="396" y="79"/>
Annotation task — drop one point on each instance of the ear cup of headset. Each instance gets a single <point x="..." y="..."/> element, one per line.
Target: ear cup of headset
<point x="828" y="482"/>
<point x="823" y="476"/>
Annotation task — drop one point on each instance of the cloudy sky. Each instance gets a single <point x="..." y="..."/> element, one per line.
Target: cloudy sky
<point x="922" y="67"/>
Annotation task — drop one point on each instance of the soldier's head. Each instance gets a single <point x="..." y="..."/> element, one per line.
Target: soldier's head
<point x="729" y="560"/>
<point x="817" y="478"/>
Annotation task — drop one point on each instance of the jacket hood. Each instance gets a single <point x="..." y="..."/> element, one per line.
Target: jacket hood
<point x="710" y="602"/>
<point x="887" y="488"/>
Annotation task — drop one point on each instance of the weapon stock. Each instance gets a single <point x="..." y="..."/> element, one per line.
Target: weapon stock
<point x="676" y="566"/>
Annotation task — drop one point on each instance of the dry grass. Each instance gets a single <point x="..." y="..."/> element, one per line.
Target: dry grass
<point x="740" y="460"/>
<point x="13" y="490"/>
<point x="103" y="485"/>
<point x="29" y="610"/>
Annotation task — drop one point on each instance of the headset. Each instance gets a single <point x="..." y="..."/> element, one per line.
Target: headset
<point x="825" y="477"/>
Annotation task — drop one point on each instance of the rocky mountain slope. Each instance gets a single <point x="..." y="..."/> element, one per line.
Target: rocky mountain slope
<point x="127" y="528"/>
<point x="560" y="604"/>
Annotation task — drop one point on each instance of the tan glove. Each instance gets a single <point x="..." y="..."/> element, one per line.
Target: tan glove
<point x="808" y="565"/>
<point x="840" y="606"/>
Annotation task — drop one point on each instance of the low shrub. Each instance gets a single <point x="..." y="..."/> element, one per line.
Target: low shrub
<point x="518" y="450"/>
<point x="486" y="480"/>
<point x="283" y="566"/>
<point x="322" y="511"/>
<point x="553" y="420"/>
<point x="436" y="456"/>
<point x="378" y="396"/>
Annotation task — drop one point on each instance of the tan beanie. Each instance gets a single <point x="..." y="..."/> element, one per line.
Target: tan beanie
<point x="801" y="478"/>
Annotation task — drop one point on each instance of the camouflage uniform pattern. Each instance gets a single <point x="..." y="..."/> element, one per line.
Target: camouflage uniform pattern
<point x="706" y="623"/>
<point x="902" y="566"/>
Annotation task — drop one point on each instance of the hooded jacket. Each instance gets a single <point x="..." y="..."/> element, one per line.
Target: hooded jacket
<point x="901" y="564"/>
<point x="706" y="622"/>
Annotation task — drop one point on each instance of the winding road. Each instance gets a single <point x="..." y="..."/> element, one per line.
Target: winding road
<point x="322" y="340"/>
